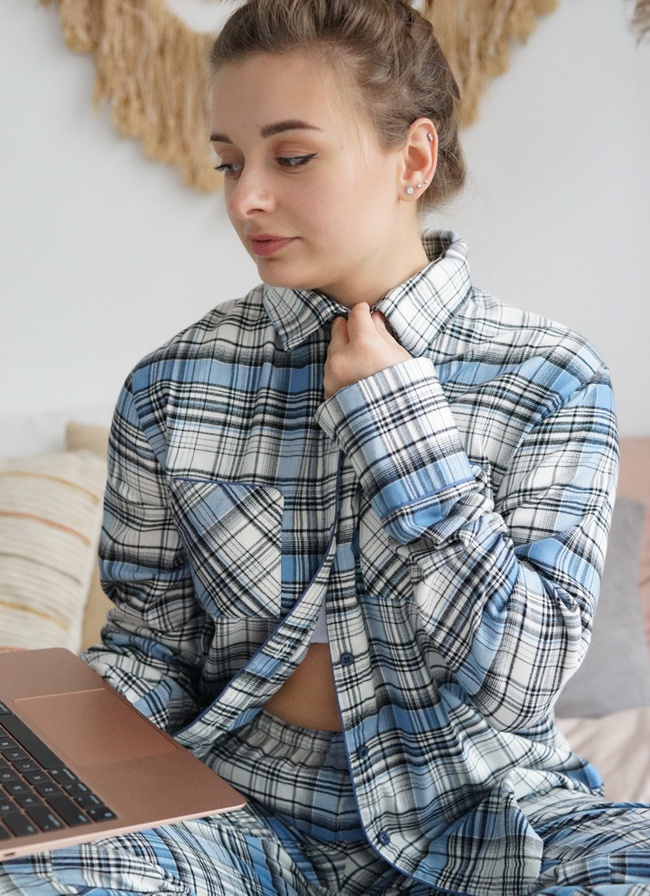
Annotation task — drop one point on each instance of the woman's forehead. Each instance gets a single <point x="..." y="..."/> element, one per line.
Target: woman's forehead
<point x="264" y="90"/>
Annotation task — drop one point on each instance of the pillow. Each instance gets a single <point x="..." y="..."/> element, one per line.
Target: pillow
<point x="86" y="437"/>
<point x="615" y="673"/>
<point x="50" y="518"/>
<point x="91" y="437"/>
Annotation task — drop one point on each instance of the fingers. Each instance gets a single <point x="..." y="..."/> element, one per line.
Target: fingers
<point x="339" y="342"/>
<point x="364" y="326"/>
<point x="379" y="322"/>
<point x="360" y="322"/>
<point x="382" y="330"/>
<point x="339" y="335"/>
<point x="359" y="348"/>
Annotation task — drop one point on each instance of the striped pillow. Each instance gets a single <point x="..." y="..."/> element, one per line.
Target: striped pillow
<point x="50" y="518"/>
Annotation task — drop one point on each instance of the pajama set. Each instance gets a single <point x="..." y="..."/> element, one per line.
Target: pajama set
<point x="451" y="514"/>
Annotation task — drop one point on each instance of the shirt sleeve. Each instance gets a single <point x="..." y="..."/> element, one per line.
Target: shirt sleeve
<point x="156" y="631"/>
<point x="506" y="562"/>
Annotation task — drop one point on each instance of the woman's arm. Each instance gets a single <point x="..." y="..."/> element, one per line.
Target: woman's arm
<point x="505" y="580"/>
<point x="154" y="639"/>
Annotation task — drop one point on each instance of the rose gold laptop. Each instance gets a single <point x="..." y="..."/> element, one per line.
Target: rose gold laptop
<point x="78" y="762"/>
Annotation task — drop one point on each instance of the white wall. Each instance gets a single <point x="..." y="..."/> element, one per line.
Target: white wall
<point x="104" y="254"/>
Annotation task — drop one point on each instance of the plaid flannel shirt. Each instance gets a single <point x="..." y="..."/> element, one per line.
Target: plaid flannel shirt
<point x="451" y="510"/>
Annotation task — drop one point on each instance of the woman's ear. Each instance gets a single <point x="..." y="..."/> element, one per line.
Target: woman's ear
<point x="420" y="156"/>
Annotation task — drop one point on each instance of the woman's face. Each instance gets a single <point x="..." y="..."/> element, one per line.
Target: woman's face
<point x="312" y="196"/>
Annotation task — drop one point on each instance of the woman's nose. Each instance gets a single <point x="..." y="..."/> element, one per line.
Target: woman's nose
<point x="249" y="195"/>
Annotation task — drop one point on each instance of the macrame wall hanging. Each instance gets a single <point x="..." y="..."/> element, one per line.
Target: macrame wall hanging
<point x="151" y="67"/>
<point x="641" y="18"/>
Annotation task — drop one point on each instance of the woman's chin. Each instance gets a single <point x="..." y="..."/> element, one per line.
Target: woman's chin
<point x="272" y="275"/>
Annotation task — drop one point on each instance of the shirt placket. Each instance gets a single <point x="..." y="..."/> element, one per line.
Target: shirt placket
<point x="273" y="662"/>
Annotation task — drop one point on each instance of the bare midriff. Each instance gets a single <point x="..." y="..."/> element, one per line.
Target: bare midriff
<point x="308" y="698"/>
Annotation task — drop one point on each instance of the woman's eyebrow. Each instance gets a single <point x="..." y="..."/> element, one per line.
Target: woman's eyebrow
<point x="269" y="130"/>
<point x="293" y="124"/>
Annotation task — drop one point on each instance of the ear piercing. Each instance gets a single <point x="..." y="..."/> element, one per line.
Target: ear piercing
<point x="411" y="190"/>
<point x="430" y="138"/>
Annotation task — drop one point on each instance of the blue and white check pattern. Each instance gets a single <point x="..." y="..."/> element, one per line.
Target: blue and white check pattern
<point x="452" y="510"/>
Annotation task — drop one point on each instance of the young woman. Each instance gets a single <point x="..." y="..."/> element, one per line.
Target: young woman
<point x="355" y="521"/>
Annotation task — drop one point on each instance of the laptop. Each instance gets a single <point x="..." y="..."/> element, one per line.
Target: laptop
<point x="78" y="762"/>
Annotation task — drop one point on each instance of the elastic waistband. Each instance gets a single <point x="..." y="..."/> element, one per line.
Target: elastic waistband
<point x="281" y="736"/>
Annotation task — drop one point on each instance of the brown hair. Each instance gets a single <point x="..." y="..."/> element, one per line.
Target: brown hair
<point x="390" y="52"/>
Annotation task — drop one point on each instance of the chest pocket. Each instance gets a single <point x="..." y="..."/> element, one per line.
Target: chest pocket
<point x="232" y="533"/>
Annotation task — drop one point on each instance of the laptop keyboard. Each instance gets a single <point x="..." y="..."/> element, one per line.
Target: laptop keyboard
<point x="38" y="792"/>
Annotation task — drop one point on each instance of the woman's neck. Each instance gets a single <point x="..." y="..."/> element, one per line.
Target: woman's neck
<point x="387" y="273"/>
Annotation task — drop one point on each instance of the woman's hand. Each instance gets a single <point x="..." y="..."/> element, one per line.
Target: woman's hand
<point x="359" y="347"/>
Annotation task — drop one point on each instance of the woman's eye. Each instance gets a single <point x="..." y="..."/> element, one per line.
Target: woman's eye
<point x="295" y="161"/>
<point x="229" y="169"/>
<point x="232" y="170"/>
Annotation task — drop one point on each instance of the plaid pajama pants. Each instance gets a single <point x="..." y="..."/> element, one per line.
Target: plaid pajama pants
<point x="300" y="836"/>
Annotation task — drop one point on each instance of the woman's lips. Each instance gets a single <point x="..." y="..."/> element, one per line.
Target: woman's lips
<point x="269" y="245"/>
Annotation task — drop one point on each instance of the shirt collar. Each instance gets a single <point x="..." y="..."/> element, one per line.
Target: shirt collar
<point x="415" y="310"/>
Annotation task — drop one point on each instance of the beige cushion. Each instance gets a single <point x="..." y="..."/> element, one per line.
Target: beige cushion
<point x="50" y="518"/>
<point x="86" y="437"/>
<point x="94" y="438"/>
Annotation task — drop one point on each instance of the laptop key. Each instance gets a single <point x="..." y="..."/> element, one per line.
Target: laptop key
<point x="101" y="813"/>
<point x="63" y="775"/>
<point x="16" y="787"/>
<point x="6" y="741"/>
<point x="37" y="777"/>
<point x="19" y="824"/>
<point x="26" y="765"/>
<point x="89" y="801"/>
<point x="76" y="789"/>
<point x="48" y="789"/>
<point x="66" y="809"/>
<point x="44" y="818"/>
<point x="6" y="805"/>
<point x="16" y="754"/>
<point x="28" y="799"/>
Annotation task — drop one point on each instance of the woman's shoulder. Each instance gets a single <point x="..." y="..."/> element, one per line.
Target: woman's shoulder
<point x="228" y="327"/>
<point x="485" y="329"/>
<point x="519" y="336"/>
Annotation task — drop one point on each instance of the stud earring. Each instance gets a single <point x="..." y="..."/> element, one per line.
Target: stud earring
<point x="410" y="191"/>
<point x="418" y="186"/>
<point x="430" y="138"/>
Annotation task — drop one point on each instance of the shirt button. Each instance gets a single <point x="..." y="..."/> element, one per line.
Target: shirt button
<point x="362" y="752"/>
<point x="384" y="838"/>
<point x="346" y="659"/>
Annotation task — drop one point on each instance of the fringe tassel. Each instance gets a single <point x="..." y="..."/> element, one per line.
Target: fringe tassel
<point x="152" y="68"/>
<point x="641" y="18"/>
<point x="476" y="36"/>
